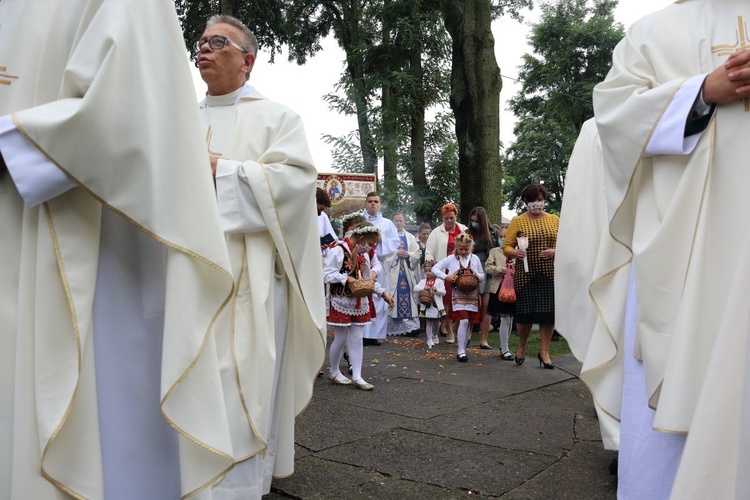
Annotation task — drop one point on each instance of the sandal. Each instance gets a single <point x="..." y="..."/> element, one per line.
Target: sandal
<point x="506" y="356"/>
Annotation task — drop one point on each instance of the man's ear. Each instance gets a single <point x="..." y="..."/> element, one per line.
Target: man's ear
<point x="249" y="62"/>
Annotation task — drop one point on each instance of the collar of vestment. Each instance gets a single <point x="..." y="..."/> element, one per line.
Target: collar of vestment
<point x="229" y="99"/>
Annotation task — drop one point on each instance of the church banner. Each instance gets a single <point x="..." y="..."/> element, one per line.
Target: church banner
<point x="347" y="191"/>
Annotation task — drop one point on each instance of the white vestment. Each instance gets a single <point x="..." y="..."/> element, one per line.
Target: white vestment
<point x="676" y="213"/>
<point x="410" y="267"/>
<point x="386" y="249"/>
<point x="583" y="241"/>
<point x="272" y="337"/>
<point x="113" y="272"/>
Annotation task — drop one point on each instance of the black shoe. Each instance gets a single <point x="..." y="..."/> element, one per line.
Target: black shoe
<point x="519" y="361"/>
<point x="462" y="358"/>
<point x="548" y="366"/>
<point x="375" y="342"/>
<point x="506" y="356"/>
<point x="485" y="346"/>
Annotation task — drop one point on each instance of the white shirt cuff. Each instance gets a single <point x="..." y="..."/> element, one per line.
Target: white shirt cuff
<point x="36" y="178"/>
<point x="669" y="135"/>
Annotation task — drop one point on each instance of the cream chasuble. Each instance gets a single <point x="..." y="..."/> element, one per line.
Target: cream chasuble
<point x="584" y="248"/>
<point x="272" y="338"/>
<point x="102" y="89"/>
<point x="682" y="219"/>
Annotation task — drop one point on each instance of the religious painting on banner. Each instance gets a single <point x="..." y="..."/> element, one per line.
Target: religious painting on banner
<point x="347" y="191"/>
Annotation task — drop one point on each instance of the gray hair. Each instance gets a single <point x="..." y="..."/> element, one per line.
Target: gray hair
<point x="247" y="40"/>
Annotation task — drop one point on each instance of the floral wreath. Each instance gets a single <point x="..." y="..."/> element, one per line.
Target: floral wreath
<point x="464" y="239"/>
<point x="366" y="230"/>
<point x="350" y="216"/>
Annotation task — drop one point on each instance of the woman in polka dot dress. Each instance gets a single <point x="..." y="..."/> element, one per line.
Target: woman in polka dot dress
<point x="535" y="290"/>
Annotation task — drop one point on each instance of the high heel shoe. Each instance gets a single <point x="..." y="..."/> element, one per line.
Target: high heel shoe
<point x="548" y="366"/>
<point x="519" y="360"/>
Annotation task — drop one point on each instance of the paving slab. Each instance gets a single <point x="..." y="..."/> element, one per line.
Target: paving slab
<point x="314" y="477"/>
<point x="583" y="473"/>
<point x="443" y="462"/>
<point x="434" y="428"/>
<point x="519" y="422"/>
<point x="416" y="398"/>
<point x="329" y="422"/>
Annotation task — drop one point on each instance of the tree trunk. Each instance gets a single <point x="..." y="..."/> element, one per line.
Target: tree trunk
<point x="475" y="101"/>
<point x="355" y="66"/>
<point x="417" y="120"/>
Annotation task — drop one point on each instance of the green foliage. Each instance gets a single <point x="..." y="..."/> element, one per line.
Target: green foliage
<point x="572" y="47"/>
<point x="263" y="17"/>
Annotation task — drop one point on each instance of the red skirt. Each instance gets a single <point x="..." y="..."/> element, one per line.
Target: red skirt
<point x="473" y="317"/>
<point x="336" y="318"/>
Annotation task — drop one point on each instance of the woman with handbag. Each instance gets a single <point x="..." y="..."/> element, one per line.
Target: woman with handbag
<point x="347" y="271"/>
<point x="497" y="268"/>
<point x="463" y="273"/>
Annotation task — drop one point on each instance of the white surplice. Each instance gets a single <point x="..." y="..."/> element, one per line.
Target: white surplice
<point x="676" y="212"/>
<point x="272" y="337"/>
<point x="386" y="249"/>
<point x="113" y="272"/>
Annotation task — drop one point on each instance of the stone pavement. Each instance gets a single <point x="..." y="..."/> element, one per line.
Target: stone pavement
<point x="434" y="428"/>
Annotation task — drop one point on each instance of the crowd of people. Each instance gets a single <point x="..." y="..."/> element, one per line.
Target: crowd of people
<point x="444" y="281"/>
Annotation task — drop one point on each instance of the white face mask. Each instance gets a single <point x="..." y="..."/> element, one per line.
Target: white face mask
<point x="535" y="206"/>
<point x="363" y="248"/>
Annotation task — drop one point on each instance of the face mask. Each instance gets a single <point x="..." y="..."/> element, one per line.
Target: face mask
<point x="363" y="248"/>
<point x="535" y="206"/>
<point x="475" y="225"/>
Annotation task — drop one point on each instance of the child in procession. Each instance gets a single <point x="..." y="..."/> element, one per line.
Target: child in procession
<point x="465" y="305"/>
<point x="347" y="314"/>
<point x="434" y="311"/>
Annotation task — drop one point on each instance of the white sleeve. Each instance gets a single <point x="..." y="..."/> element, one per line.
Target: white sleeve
<point x="331" y="266"/>
<point x="375" y="265"/>
<point x="669" y="135"/>
<point x="238" y="209"/>
<point x="36" y="177"/>
<point x="420" y="286"/>
<point x="325" y="227"/>
<point x="440" y="268"/>
<point x="439" y="288"/>
<point x="389" y="240"/>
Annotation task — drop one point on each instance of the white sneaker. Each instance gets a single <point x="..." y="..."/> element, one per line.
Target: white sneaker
<point x="430" y="343"/>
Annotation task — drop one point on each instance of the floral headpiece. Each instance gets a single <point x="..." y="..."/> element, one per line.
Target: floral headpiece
<point x="429" y="262"/>
<point x="350" y="216"/>
<point x="464" y="239"/>
<point x="366" y="230"/>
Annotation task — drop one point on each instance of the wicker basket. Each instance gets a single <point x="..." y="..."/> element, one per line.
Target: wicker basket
<point x="466" y="283"/>
<point x="362" y="287"/>
<point x="426" y="297"/>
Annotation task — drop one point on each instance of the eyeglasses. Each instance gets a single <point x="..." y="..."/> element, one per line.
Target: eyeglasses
<point x="217" y="42"/>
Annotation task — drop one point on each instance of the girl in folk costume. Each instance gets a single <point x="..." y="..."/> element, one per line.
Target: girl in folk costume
<point x="465" y="303"/>
<point x="434" y="311"/>
<point x="348" y="315"/>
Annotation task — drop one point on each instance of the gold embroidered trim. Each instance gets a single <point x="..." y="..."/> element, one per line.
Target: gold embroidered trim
<point x="76" y="331"/>
<point x="243" y="271"/>
<point x="206" y="336"/>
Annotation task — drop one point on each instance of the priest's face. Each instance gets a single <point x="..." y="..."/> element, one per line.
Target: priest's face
<point x="223" y="70"/>
<point x="373" y="205"/>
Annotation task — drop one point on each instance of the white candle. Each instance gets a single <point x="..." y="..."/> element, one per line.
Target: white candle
<point x="523" y="244"/>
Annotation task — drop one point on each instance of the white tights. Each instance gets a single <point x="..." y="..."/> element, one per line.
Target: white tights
<point x="351" y="337"/>
<point x="463" y="333"/>
<point x="432" y="325"/>
<point x="506" y="325"/>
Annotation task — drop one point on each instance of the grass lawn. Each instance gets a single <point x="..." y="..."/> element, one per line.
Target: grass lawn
<point x="556" y="348"/>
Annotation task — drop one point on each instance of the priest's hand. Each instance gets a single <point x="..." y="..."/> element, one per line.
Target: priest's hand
<point x="729" y="82"/>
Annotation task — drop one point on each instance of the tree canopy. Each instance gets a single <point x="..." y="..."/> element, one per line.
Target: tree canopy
<point x="572" y="48"/>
